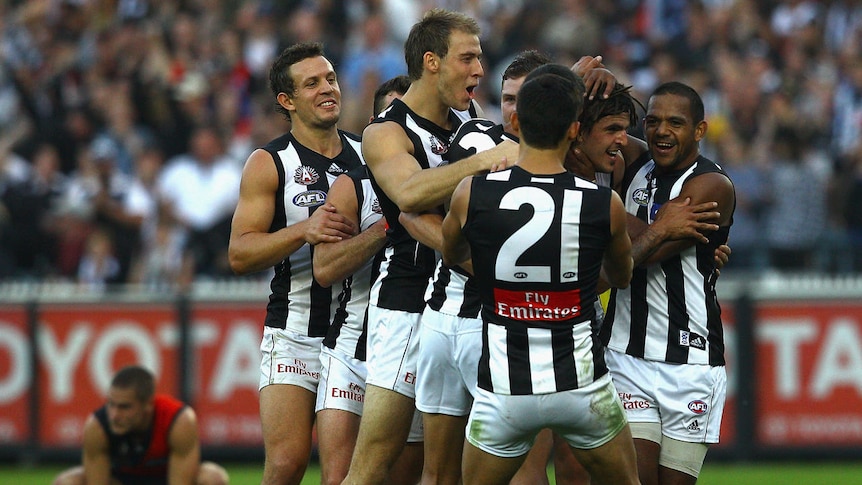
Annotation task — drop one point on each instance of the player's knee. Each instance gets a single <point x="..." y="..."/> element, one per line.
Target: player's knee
<point x="212" y="474"/>
<point x="74" y="476"/>
<point x="682" y="456"/>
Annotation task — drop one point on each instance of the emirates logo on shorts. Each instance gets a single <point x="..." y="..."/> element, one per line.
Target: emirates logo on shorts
<point x="305" y="175"/>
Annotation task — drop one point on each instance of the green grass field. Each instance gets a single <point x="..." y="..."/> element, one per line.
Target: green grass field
<point x="713" y="474"/>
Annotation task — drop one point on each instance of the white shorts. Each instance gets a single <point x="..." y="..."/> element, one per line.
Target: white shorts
<point x="686" y="399"/>
<point x="449" y="350"/>
<point x="342" y="382"/>
<point x="393" y="345"/>
<point x="506" y="426"/>
<point x="289" y="358"/>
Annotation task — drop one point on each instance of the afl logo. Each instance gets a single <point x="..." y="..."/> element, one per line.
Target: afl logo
<point x="437" y="146"/>
<point x="520" y="275"/>
<point x="697" y="406"/>
<point x="305" y="175"/>
<point x="310" y="198"/>
<point x="641" y="196"/>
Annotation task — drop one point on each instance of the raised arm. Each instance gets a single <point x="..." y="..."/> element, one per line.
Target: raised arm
<point x="252" y="247"/>
<point x="184" y="456"/>
<point x="96" y="452"/>
<point x="334" y="261"/>
<point x="455" y="249"/>
<point x="389" y="154"/>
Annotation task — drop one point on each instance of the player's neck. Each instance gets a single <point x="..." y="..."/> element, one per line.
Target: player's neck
<point x="324" y="141"/>
<point x="541" y="161"/>
<point x="422" y="99"/>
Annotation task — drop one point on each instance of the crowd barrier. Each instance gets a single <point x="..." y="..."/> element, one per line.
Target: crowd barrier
<point x="794" y="350"/>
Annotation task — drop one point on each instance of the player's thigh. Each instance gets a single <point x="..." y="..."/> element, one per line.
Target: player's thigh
<point x="615" y="461"/>
<point x="336" y="433"/>
<point x="481" y="467"/>
<point x="287" y="417"/>
<point x="387" y="414"/>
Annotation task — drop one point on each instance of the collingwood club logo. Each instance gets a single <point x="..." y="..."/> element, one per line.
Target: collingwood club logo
<point x="437" y="146"/>
<point x="305" y="175"/>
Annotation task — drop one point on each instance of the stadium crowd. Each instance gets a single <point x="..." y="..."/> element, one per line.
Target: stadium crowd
<point x="124" y="124"/>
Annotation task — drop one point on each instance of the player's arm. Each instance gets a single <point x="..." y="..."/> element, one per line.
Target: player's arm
<point x="425" y="227"/>
<point x="334" y="261"/>
<point x="455" y="249"/>
<point x="617" y="263"/>
<point x="184" y="455"/>
<point x="711" y="191"/>
<point x="389" y="154"/>
<point x="252" y="247"/>
<point x="96" y="452"/>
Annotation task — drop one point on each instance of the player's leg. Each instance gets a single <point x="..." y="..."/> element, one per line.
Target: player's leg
<point x="407" y="469"/>
<point x="389" y="396"/>
<point x="481" y="467"/>
<point x="72" y="476"/>
<point x="691" y="402"/>
<point x="286" y="441"/>
<point x="613" y="462"/>
<point x="443" y="390"/>
<point x="567" y="469"/>
<point x="680" y="462"/>
<point x="340" y="397"/>
<point x="383" y="433"/>
<point x="647" y="441"/>
<point x="290" y="374"/>
<point x="534" y="470"/>
<point x="210" y="473"/>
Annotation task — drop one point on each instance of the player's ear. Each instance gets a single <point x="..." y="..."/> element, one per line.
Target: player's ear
<point x="574" y="131"/>
<point x="431" y="61"/>
<point x="515" y="122"/>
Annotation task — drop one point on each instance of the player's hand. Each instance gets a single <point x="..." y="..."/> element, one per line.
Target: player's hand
<point x="722" y="256"/>
<point x="681" y="220"/>
<point x="598" y="80"/>
<point x="578" y="163"/>
<point x="327" y="225"/>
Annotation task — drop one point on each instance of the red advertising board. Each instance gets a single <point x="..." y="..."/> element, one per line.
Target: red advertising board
<point x="15" y="375"/>
<point x="809" y="373"/>
<point x="227" y="372"/>
<point x="727" y="436"/>
<point x="81" y="346"/>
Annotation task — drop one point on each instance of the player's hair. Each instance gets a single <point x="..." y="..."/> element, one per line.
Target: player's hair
<point x="431" y="34"/>
<point x="620" y="101"/>
<point x="547" y="106"/>
<point x="138" y="378"/>
<point x="280" y="79"/>
<point x="695" y="103"/>
<point x="524" y="63"/>
<point x="565" y="73"/>
<point x="399" y="84"/>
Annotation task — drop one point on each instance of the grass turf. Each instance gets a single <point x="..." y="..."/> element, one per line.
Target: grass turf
<point x="713" y="474"/>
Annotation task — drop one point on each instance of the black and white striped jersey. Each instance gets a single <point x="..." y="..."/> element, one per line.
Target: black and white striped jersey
<point x="452" y="291"/>
<point x="669" y="312"/>
<point x="297" y="302"/>
<point x="537" y="243"/>
<point x="349" y="325"/>
<point x="408" y="265"/>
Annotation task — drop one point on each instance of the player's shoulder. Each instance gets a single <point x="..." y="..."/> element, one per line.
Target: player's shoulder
<point x="473" y="136"/>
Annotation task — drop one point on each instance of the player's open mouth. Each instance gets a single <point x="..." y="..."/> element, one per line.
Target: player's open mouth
<point x="470" y="90"/>
<point x="327" y="104"/>
<point x="661" y="146"/>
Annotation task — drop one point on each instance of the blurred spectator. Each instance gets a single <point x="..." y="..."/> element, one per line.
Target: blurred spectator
<point x="200" y="190"/>
<point x="98" y="267"/>
<point x="147" y="73"/>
